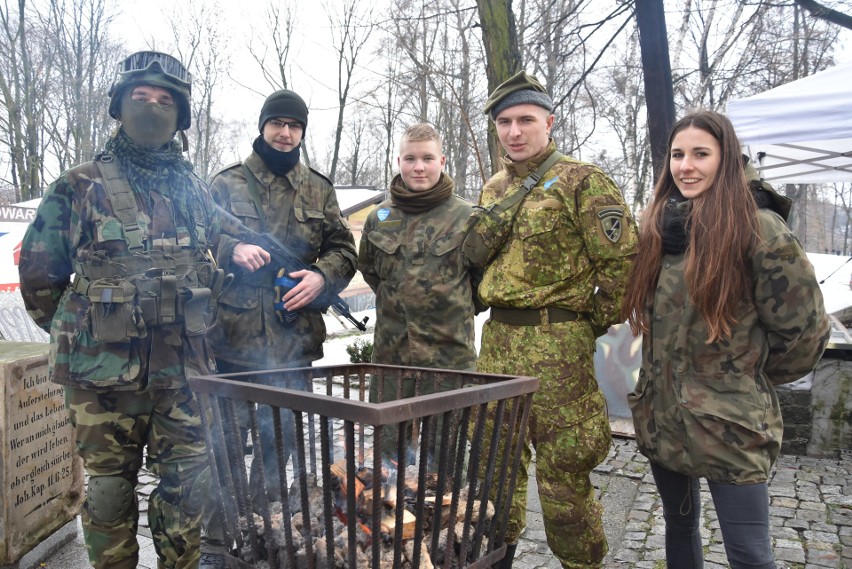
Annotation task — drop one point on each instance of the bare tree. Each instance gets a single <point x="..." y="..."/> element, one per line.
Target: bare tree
<point x="502" y="54"/>
<point x="22" y="70"/>
<point x="825" y="13"/>
<point x="352" y="29"/>
<point x="281" y="23"/>
<point x="202" y="45"/>
<point x="620" y="100"/>
<point x="77" y="123"/>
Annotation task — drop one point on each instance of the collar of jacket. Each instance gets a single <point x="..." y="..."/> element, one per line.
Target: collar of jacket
<point x="523" y="169"/>
<point x="265" y="176"/>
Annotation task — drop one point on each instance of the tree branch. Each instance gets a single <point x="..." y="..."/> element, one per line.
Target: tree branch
<point x="822" y="12"/>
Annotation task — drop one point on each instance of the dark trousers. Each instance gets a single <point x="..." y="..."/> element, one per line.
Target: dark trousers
<point x="213" y="538"/>
<point x="743" y="513"/>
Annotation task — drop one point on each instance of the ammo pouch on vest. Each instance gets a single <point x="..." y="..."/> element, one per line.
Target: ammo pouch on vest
<point x="114" y="315"/>
<point x="122" y="309"/>
<point x="488" y="228"/>
<point x="167" y="299"/>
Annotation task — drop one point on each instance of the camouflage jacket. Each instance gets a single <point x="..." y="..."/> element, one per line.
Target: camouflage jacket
<point x="710" y="410"/>
<point x="573" y="235"/>
<point x="301" y="210"/>
<point x="75" y="226"/>
<point x="424" y="287"/>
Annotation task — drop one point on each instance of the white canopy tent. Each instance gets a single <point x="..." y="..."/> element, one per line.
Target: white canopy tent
<point x="801" y="132"/>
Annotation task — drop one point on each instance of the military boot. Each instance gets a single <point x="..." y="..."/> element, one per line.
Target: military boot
<point x="506" y="562"/>
<point x="212" y="561"/>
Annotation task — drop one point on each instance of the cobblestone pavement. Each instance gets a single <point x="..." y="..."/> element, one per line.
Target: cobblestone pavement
<point x="810" y="512"/>
<point x="810" y="515"/>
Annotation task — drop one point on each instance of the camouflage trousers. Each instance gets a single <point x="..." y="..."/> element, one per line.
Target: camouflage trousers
<point x="568" y="427"/>
<point x="112" y="429"/>
<point x="391" y="386"/>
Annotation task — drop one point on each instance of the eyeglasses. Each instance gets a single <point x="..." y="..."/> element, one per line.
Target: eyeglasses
<point x="142" y="60"/>
<point x="292" y="125"/>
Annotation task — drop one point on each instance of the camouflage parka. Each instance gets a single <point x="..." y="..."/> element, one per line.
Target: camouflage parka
<point x="424" y="286"/>
<point x="104" y="342"/>
<point x="301" y="210"/>
<point x="572" y="236"/>
<point x="710" y="410"/>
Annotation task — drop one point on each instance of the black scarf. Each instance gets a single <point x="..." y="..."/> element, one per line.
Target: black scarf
<point x="676" y="218"/>
<point x="675" y="225"/>
<point x="278" y="162"/>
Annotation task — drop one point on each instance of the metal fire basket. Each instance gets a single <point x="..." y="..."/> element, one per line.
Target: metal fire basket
<point x="421" y="478"/>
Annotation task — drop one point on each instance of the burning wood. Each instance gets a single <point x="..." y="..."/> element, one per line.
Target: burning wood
<point x="408" y="523"/>
<point x="364" y="508"/>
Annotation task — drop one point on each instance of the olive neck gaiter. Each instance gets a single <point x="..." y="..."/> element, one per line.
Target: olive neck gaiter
<point x="150" y="125"/>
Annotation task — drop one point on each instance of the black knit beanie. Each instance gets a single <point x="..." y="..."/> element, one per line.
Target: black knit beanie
<point x="284" y="103"/>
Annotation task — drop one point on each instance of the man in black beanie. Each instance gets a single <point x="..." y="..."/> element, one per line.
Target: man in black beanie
<point x="271" y="191"/>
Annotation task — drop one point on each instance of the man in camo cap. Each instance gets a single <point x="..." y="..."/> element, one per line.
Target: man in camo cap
<point x="554" y="283"/>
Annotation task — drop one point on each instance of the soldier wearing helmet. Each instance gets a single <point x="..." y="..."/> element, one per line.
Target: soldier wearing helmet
<point x="132" y="227"/>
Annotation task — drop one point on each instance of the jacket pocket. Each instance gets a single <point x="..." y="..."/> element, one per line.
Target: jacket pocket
<point x="729" y="406"/>
<point x="449" y="242"/>
<point x="389" y="245"/>
<point x="448" y="259"/>
<point x="239" y="317"/>
<point x="539" y="230"/>
<point x="244" y="210"/>
<point x="104" y="364"/>
<point x="641" y="403"/>
<point x="582" y="433"/>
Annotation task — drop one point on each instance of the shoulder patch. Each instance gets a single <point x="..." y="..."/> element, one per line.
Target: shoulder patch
<point x="383" y="214"/>
<point x="612" y="222"/>
<point x="550" y="182"/>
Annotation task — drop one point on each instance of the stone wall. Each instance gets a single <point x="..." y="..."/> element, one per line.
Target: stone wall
<point x="41" y="479"/>
<point x="817" y="409"/>
<point x="831" y="400"/>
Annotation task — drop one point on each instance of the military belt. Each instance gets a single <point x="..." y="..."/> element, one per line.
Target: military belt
<point x="533" y="316"/>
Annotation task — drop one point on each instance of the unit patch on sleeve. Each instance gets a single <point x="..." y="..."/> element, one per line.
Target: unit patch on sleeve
<point x="611" y="220"/>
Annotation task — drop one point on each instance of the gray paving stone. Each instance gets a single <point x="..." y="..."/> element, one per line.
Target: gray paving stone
<point x="790" y="555"/>
<point x="812" y="534"/>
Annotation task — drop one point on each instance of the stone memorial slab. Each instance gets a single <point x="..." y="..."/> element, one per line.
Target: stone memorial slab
<point x="41" y="479"/>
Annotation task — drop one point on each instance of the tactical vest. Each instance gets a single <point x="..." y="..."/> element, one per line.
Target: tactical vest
<point x="131" y="294"/>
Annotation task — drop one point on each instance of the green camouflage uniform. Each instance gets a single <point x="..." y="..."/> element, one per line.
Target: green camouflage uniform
<point x="424" y="294"/>
<point x="301" y="211"/>
<point x="572" y="235"/>
<point x="424" y="287"/>
<point x="710" y="410"/>
<point x="125" y="379"/>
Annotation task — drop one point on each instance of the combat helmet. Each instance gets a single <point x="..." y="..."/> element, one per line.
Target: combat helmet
<point x="157" y="69"/>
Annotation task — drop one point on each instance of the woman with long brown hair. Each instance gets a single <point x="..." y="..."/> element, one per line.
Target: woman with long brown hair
<point x="729" y="307"/>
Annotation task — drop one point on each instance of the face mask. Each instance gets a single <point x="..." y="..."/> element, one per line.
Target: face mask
<point x="150" y="125"/>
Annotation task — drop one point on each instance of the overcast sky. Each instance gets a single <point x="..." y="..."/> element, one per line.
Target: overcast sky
<point x="312" y="59"/>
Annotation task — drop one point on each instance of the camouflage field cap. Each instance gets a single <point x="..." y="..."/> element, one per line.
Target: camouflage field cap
<point x="157" y="69"/>
<point x="520" y="89"/>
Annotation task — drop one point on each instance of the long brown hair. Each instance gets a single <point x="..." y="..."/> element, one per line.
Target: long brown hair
<point x="723" y="226"/>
